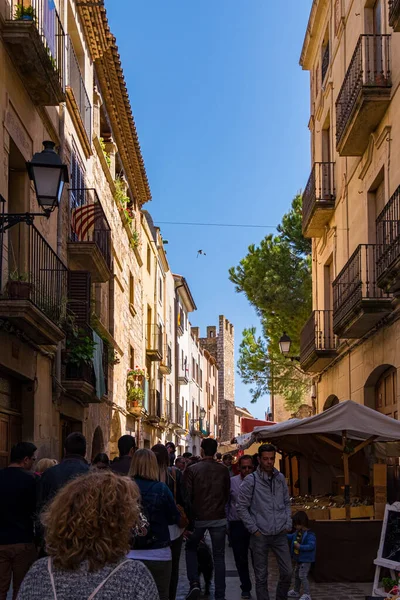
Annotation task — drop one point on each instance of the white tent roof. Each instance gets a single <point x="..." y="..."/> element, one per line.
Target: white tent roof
<point x="359" y="421"/>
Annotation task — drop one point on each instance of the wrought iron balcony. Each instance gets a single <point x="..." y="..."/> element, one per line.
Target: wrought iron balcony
<point x="181" y="322"/>
<point x="317" y="342"/>
<point x="89" y="247"/>
<point x="319" y="199"/>
<point x="183" y="374"/>
<point x="364" y="95"/>
<point x="35" y="40"/>
<point x="77" y="95"/>
<point x="388" y="238"/>
<point x="154" y="342"/>
<point x="358" y="303"/>
<point x="33" y="284"/>
<point x="394" y="14"/>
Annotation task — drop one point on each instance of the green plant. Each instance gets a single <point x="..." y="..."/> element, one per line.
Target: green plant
<point x="112" y="355"/>
<point x="106" y="154"/>
<point x="135" y="394"/>
<point x="17" y="276"/>
<point x="24" y="11"/>
<point x="388" y="583"/>
<point x="80" y="348"/>
<point x="120" y="195"/>
<point x="135" y="239"/>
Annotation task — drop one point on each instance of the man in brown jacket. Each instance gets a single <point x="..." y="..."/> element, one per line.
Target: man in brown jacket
<point x="208" y="486"/>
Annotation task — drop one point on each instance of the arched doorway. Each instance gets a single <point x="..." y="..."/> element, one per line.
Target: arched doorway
<point x="386" y="393"/>
<point x="331" y="400"/>
<point x="98" y="442"/>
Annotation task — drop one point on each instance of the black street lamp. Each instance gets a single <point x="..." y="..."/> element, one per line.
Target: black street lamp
<point x="49" y="175"/>
<point x="284" y="346"/>
<point x="202" y="413"/>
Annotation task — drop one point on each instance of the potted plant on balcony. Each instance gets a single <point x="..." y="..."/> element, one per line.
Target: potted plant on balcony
<point x="135" y="375"/>
<point x="24" y="13"/>
<point x="135" y="397"/>
<point x="18" y="286"/>
<point x="80" y="349"/>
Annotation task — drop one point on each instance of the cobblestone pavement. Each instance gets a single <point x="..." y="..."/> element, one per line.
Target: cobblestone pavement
<point x="327" y="591"/>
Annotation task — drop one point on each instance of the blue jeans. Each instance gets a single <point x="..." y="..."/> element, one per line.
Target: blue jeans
<point x="217" y="535"/>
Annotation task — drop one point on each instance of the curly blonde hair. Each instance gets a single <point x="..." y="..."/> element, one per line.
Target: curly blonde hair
<point x="91" y="518"/>
<point x="44" y="464"/>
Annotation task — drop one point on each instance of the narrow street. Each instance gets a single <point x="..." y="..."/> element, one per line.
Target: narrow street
<point x="325" y="591"/>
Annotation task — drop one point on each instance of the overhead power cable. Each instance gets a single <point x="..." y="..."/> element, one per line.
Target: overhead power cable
<point x="242" y="225"/>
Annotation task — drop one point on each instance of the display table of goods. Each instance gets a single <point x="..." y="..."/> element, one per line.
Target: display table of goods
<point x="331" y="508"/>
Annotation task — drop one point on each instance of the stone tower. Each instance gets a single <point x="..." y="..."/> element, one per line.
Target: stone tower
<point x="221" y="345"/>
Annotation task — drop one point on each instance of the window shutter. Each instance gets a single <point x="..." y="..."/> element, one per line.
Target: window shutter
<point x="79" y="296"/>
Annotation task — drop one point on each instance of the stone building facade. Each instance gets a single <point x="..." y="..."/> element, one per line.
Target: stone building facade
<point x="221" y="345"/>
<point x="351" y="203"/>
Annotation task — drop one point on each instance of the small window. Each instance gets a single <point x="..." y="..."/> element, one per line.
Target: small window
<point x="161" y="290"/>
<point x="201" y="378"/>
<point x="131" y="357"/>
<point x="193" y="369"/>
<point x="148" y="258"/>
<point x="325" y="56"/>
<point x="131" y="289"/>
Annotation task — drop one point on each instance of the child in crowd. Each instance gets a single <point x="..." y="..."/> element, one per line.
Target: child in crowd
<point x="303" y="547"/>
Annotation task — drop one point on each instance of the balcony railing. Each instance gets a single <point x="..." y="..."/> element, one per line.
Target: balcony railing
<point x="88" y="221"/>
<point x="180" y="416"/>
<point x="42" y="15"/>
<point x="388" y="238"/>
<point x="154" y="342"/>
<point x="394" y="14"/>
<point x="319" y="193"/>
<point x="317" y="341"/>
<point x="77" y="85"/>
<point x="355" y="291"/>
<point x="31" y="270"/>
<point x="369" y="68"/>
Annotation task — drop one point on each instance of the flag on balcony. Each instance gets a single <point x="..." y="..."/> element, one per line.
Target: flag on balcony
<point x="49" y="25"/>
<point x="83" y="219"/>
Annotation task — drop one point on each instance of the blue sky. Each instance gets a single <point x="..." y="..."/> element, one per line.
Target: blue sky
<point x="221" y="107"/>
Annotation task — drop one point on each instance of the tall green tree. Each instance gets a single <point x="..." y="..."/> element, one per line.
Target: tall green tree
<point x="276" y="279"/>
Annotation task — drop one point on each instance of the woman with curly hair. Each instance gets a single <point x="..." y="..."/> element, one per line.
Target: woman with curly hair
<point x="154" y="549"/>
<point x="88" y="529"/>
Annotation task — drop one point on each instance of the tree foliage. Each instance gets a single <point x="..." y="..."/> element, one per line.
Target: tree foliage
<point x="276" y="279"/>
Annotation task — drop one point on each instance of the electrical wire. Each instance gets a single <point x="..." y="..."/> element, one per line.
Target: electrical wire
<point x="217" y="224"/>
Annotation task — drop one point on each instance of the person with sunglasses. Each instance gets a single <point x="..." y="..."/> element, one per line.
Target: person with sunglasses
<point x="238" y="535"/>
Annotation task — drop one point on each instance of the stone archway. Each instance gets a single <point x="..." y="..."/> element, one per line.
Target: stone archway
<point x="331" y="400"/>
<point x="115" y="434"/>
<point x="98" y="442"/>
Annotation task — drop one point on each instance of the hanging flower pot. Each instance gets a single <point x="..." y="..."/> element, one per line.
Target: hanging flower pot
<point x="136" y="375"/>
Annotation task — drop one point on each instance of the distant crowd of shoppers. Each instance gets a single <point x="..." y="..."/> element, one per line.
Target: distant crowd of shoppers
<point x="115" y="529"/>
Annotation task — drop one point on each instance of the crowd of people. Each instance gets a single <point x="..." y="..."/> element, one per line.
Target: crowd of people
<point x="115" y="529"/>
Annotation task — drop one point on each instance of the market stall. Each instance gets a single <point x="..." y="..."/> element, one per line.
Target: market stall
<point x="336" y="455"/>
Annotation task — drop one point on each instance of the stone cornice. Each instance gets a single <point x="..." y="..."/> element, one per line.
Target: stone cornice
<point x="105" y="55"/>
<point x="310" y="40"/>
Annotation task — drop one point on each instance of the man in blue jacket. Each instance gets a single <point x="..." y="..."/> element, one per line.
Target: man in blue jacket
<point x="264" y="507"/>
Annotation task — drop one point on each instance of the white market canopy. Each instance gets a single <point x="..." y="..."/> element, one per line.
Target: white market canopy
<point x="358" y="421"/>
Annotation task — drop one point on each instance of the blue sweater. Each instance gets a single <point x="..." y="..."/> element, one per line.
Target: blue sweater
<point x="307" y="548"/>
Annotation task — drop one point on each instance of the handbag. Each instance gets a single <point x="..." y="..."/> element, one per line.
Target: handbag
<point x="184" y="521"/>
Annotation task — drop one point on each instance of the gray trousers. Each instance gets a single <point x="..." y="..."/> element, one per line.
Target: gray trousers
<point x="260" y="546"/>
<point x="301" y="572"/>
<point x="161" y="572"/>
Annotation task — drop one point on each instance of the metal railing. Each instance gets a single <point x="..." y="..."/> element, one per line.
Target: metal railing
<point x="31" y="270"/>
<point x="388" y="234"/>
<point x="48" y="24"/>
<point x="394" y="11"/>
<point x="317" y="334"/>
<point x="77" y="84"/>
<point x="369" y="67"/>
<point x="88" y="221"/>
<point x="320" y="188"/>
<point x="179" y="415"/>
<point x="357" y="281"/>
<point x="84" y="371"/>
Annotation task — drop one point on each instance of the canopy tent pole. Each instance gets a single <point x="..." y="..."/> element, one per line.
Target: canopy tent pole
<point x="345" y="457"/>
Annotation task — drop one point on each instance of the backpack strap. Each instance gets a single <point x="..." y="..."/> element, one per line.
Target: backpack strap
<point x="117" y="568"/>
<point x="53" y="585"/>
<point x="254" y="487"/>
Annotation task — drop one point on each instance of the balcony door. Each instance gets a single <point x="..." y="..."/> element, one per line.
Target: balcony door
<point x="326" y="174"/>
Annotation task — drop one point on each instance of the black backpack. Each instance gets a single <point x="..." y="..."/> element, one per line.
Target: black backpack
<point x="142" y="536"/>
